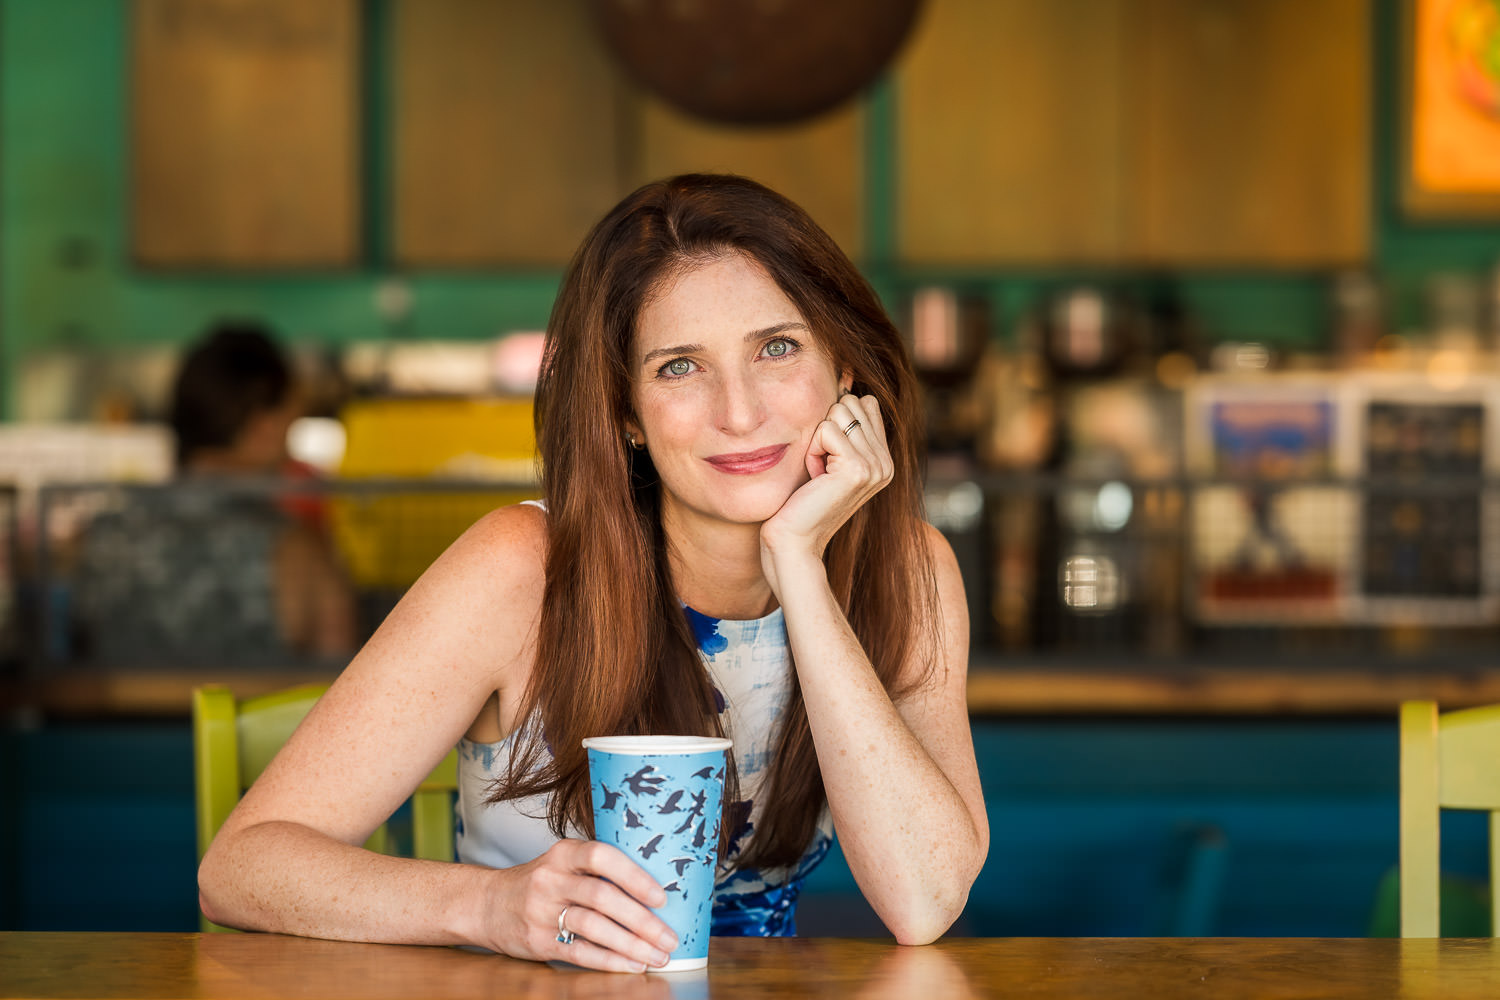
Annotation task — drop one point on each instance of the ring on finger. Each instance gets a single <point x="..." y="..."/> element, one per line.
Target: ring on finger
<point x="564" y="936"/>
<point x="852" y="424"/>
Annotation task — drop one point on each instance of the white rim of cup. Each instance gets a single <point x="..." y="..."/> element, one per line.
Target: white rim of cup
<point x="657" y="744"/>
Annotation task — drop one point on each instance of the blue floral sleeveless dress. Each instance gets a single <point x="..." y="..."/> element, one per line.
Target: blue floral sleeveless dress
<point x="749" y="665"/>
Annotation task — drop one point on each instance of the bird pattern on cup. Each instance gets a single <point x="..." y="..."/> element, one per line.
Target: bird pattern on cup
<point x="663" y="811"/>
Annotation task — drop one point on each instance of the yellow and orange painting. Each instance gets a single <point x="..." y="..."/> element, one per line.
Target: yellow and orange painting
<point x="1454" y="94"/>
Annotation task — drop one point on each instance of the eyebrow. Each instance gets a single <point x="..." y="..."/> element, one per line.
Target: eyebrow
<point x="751" y="337"/>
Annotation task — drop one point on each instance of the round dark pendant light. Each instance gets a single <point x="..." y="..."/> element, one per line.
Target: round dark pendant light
<point x="755" y="62"/>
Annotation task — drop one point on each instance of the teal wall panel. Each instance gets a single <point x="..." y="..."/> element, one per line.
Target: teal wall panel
<point x="1098" y="827"/>
<point x="103" y="830"/>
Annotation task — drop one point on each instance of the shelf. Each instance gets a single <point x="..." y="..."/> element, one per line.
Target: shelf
<point x="1242" y="690"/>
<point x="993" y="690"/>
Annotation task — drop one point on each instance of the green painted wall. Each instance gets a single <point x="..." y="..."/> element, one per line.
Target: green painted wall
<point x="66" y="278"/>
<point x="65" y="274"/>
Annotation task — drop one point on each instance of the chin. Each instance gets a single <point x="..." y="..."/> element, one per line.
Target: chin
<point x="749" y="506"/>
<point x="746" y="511"/>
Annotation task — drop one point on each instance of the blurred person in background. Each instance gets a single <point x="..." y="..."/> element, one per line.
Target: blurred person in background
<point x="218" y="569"/>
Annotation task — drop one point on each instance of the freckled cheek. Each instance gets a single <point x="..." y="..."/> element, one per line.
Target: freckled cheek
<point x="672" y="427"/>
<point x="813" y="404"/>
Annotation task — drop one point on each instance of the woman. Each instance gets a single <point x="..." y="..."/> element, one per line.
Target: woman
<point x="731" y="543"/>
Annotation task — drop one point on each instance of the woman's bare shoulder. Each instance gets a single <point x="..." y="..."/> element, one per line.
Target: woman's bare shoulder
<point x="488" y="585"/>
<point x="943" y="562"/>
<point x="508" y="542"/>
<point x="514" y="535"/>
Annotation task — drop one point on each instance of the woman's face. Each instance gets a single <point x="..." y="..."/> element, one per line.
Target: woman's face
<point x="728" y="384"/>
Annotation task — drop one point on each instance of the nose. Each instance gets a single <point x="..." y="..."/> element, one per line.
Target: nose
<point x="741" y="404"/>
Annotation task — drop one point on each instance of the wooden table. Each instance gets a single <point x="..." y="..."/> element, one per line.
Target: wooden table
<point x="264" y="966"/>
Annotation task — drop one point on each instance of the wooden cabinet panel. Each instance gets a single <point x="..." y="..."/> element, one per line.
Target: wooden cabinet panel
<point x="514" y="133"/>
<point x="1255" y="132"/>
<point x="244" y="150"/>
<point x="505" y="126"/>
<point x="1136" y="132"/>
<point x="816" y="163"/>
<point x="1010" y="133"/>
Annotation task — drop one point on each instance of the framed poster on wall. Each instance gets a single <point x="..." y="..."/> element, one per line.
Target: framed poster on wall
<point x="1272" y="536"/>
<point x="1451" y="109"/>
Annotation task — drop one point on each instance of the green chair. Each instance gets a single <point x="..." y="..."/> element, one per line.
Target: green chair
<point x="233" y="741"/>
<point x="1448" y="761"/>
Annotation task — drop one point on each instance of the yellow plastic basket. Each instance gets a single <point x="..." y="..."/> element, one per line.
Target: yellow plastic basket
<point x="389" y="537"/>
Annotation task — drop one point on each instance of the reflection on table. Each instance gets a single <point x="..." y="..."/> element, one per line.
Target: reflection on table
<point x="71" y="965"/>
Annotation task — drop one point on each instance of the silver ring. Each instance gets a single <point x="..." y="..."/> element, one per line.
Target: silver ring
<point x="564" y="936"/>
<point x="852" y="424"/>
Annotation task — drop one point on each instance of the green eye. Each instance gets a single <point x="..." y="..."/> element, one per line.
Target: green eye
<point x="679" y="367"/>
<point x="777" y="348"/>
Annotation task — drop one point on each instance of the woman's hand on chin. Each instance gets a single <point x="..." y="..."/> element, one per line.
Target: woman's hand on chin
<point x="849" y="463"/>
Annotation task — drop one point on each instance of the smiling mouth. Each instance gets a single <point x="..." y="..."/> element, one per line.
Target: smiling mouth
<point x="747" y="462"/>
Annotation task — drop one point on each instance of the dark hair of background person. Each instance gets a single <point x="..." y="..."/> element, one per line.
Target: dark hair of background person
<point x="614" y="651"/>
<point x="234" y="372"/>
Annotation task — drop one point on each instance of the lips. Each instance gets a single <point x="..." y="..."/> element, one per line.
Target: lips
<point x="745" y="463"/>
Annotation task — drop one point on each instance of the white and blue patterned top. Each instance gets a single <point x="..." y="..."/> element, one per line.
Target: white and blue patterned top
<point x="749" y="666"/>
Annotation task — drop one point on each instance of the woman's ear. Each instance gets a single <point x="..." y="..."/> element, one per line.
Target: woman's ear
<point x="634" y="436"/>
<point x="846" y="382"/>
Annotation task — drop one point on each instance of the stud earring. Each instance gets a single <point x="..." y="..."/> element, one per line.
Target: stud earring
<point x="637" y="445"/>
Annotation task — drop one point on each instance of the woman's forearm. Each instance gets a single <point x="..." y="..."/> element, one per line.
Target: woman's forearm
<point x="911" y="838"/>
<point x="284" y="877"/>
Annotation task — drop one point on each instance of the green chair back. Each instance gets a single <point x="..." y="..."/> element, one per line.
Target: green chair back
<point x="1448" y="761"/>
<point x="233" y="741"/>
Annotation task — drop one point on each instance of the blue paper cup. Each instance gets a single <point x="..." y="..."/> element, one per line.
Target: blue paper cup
<point x="658" y="799"/>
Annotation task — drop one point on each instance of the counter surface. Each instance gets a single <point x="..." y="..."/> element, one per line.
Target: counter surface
<point x="993" y="690"/>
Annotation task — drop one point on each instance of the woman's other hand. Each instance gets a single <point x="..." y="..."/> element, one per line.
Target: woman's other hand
<point x="849" y="463"/>
<point x="606" y="896"/>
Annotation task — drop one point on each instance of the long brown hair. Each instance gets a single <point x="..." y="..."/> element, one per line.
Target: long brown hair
<point x="614" y="651"/>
